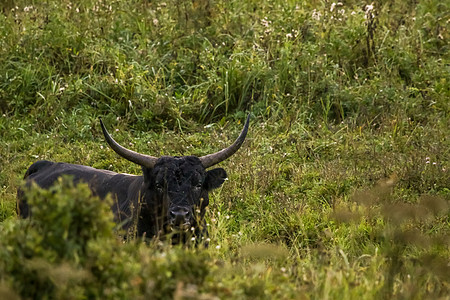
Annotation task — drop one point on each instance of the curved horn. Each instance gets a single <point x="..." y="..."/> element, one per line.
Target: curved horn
<point x="140" y="159"/>
<point x="215" y="158"/>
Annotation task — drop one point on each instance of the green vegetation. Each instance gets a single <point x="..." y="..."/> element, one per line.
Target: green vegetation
<point x="341" y="190"/>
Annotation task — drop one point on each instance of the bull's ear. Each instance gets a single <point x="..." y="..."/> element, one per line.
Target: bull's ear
<point x="214" y="178"/>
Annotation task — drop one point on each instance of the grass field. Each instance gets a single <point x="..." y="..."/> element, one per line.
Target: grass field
<point x="341" y="190"/>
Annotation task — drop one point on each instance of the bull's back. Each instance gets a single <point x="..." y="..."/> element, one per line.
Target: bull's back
<point x="39" y="165"/>
<point x="22" y="205"/>
<point x="46" y="173"/>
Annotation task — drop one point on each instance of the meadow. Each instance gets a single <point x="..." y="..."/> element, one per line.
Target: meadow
<point x="341" y="190"/>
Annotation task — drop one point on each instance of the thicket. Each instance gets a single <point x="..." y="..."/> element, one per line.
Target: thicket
<point x="341" y="190"/>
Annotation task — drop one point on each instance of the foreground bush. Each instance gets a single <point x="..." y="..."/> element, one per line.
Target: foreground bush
<point x="69" y="250"/>
<point x="63" y="247"/>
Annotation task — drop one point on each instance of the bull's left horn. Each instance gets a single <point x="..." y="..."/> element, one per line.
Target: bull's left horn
<point x="215" y="158"/>
<point x="140" y="159"/>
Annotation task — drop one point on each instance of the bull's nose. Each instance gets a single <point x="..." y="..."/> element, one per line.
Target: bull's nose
<point x="180" y="216"/>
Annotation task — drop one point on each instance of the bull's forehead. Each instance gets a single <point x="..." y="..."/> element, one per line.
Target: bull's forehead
<point x="179" y="167"/>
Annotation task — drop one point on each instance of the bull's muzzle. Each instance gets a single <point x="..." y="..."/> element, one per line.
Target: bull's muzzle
<point x="180" y="218"/>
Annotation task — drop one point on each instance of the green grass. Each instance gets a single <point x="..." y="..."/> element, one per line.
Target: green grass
<point x="341" y="190"/>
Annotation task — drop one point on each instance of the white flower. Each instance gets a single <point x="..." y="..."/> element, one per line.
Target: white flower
<point x="265" y="22"/>
<point x="333" y="5"/>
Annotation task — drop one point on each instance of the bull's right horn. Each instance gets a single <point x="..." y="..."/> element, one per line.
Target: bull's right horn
<point x="140" y="159"/>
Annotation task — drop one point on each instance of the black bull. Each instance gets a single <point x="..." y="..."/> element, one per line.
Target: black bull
<point x="170" y="197"/>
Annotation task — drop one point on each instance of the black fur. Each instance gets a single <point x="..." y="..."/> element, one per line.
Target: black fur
<point x="172" y="195"/>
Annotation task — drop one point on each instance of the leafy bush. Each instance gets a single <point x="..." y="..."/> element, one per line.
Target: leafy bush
<point x="48" y="255"/>
<point x="68" y="249"/>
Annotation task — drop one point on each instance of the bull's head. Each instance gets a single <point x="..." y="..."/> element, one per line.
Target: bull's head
<point x="175" y="192"/>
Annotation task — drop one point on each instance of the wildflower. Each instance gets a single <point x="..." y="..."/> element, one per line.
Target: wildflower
<point x="265" y="22"/>
<point x="333" y="5"/>
<point x="155" y="22"/>
<point x="369" y="11"/>
<point x="289" y="35"/>
<point x="218" y="247"/>
<point x="316" y="15"/>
